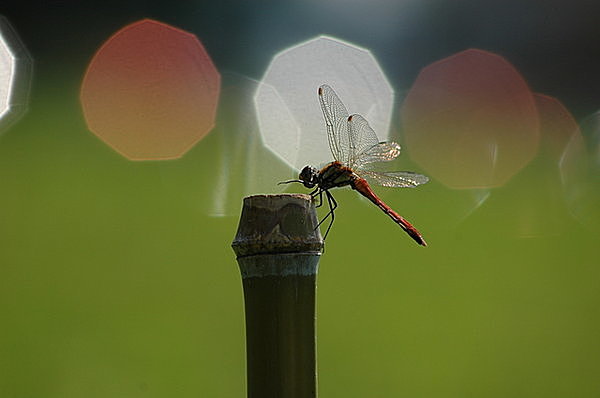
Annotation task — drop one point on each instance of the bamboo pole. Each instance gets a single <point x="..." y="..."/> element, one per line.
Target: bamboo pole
<point x="278" y="248"/>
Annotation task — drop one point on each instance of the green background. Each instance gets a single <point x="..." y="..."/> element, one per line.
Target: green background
<point x="115" y="283"/>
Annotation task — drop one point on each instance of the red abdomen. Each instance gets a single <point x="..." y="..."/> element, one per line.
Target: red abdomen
<point x="362" y="186"/>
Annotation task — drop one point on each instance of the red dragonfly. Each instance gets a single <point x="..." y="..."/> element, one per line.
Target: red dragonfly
<point x="356" y="151"/>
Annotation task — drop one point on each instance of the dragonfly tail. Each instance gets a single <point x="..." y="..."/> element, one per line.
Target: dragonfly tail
<point x="362" y="186"/>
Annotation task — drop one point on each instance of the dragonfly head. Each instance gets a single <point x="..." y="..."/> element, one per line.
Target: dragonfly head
<point x="309" y="176"/>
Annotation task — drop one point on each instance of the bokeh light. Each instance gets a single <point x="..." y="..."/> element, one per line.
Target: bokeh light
<point x="580" y="171"/>
<point x="535" y="202"/>
<point x="558" y="128"/>
<point x="539" y="189"/>
<point x="287" y="107"/>
<point x="470" y="120"/>
<point x="591" y="133"/>
<point x="151" y="91"/>
<point x="15" y="75"/>
<point x="245" y="166"/>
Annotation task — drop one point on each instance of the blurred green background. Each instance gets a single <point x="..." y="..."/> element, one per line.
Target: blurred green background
<point x="115" y="283"/>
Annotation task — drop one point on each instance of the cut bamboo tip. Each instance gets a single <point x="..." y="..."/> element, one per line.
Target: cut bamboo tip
<point x="273" y="224"/>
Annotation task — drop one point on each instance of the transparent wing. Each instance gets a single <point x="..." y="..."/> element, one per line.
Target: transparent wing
<point x="398" y="179"/>
<point x="380" y="152"/>
<point x="336" y="119"/>
<point x="362" y="138"/>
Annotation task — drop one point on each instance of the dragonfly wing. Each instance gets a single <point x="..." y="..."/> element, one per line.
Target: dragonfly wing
<point x="380" y="152"/>
<point x="397" y="179"/>
<point x="362" y="137"/>
<point x="336" y="119"/>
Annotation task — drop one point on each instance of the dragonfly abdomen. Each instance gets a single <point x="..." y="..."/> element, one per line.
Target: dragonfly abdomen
<point x="362" y="186"/>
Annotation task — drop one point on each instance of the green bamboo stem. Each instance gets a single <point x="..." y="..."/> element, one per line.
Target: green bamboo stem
<point x="278" y="251"/>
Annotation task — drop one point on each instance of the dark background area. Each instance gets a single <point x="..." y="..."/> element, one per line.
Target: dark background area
<point x="554" y="44"/>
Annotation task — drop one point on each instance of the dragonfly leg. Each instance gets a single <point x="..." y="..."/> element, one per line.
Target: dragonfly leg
<point x="332" y="206"/>
<point x="328" y="213"/>
<point x="318" y="193"/>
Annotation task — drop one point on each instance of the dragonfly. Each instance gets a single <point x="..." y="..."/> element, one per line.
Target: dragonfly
<point x="357" y="152"/>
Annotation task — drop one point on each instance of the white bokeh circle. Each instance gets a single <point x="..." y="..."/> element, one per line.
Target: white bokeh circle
<point x="15" y="75"/>
<point x="287" y="106"/>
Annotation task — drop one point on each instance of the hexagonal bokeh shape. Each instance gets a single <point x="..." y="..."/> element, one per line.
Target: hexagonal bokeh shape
<point x="558" y="128"/>
<point x="580" y="168"/>
<point x="539" y="189"/>
<point x="470" y="120"/>
<point x="590" y="126"/>
<point x="287" y="105"/>
<point x="151" y="91"/>
<point x="15" y="75"/>
<point x="243" y="166"/>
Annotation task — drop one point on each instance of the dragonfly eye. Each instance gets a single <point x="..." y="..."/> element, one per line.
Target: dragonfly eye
<point x="309" y="176"/>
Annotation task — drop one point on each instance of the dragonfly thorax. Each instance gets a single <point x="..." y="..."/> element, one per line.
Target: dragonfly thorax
<point x="309" y="176"/>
